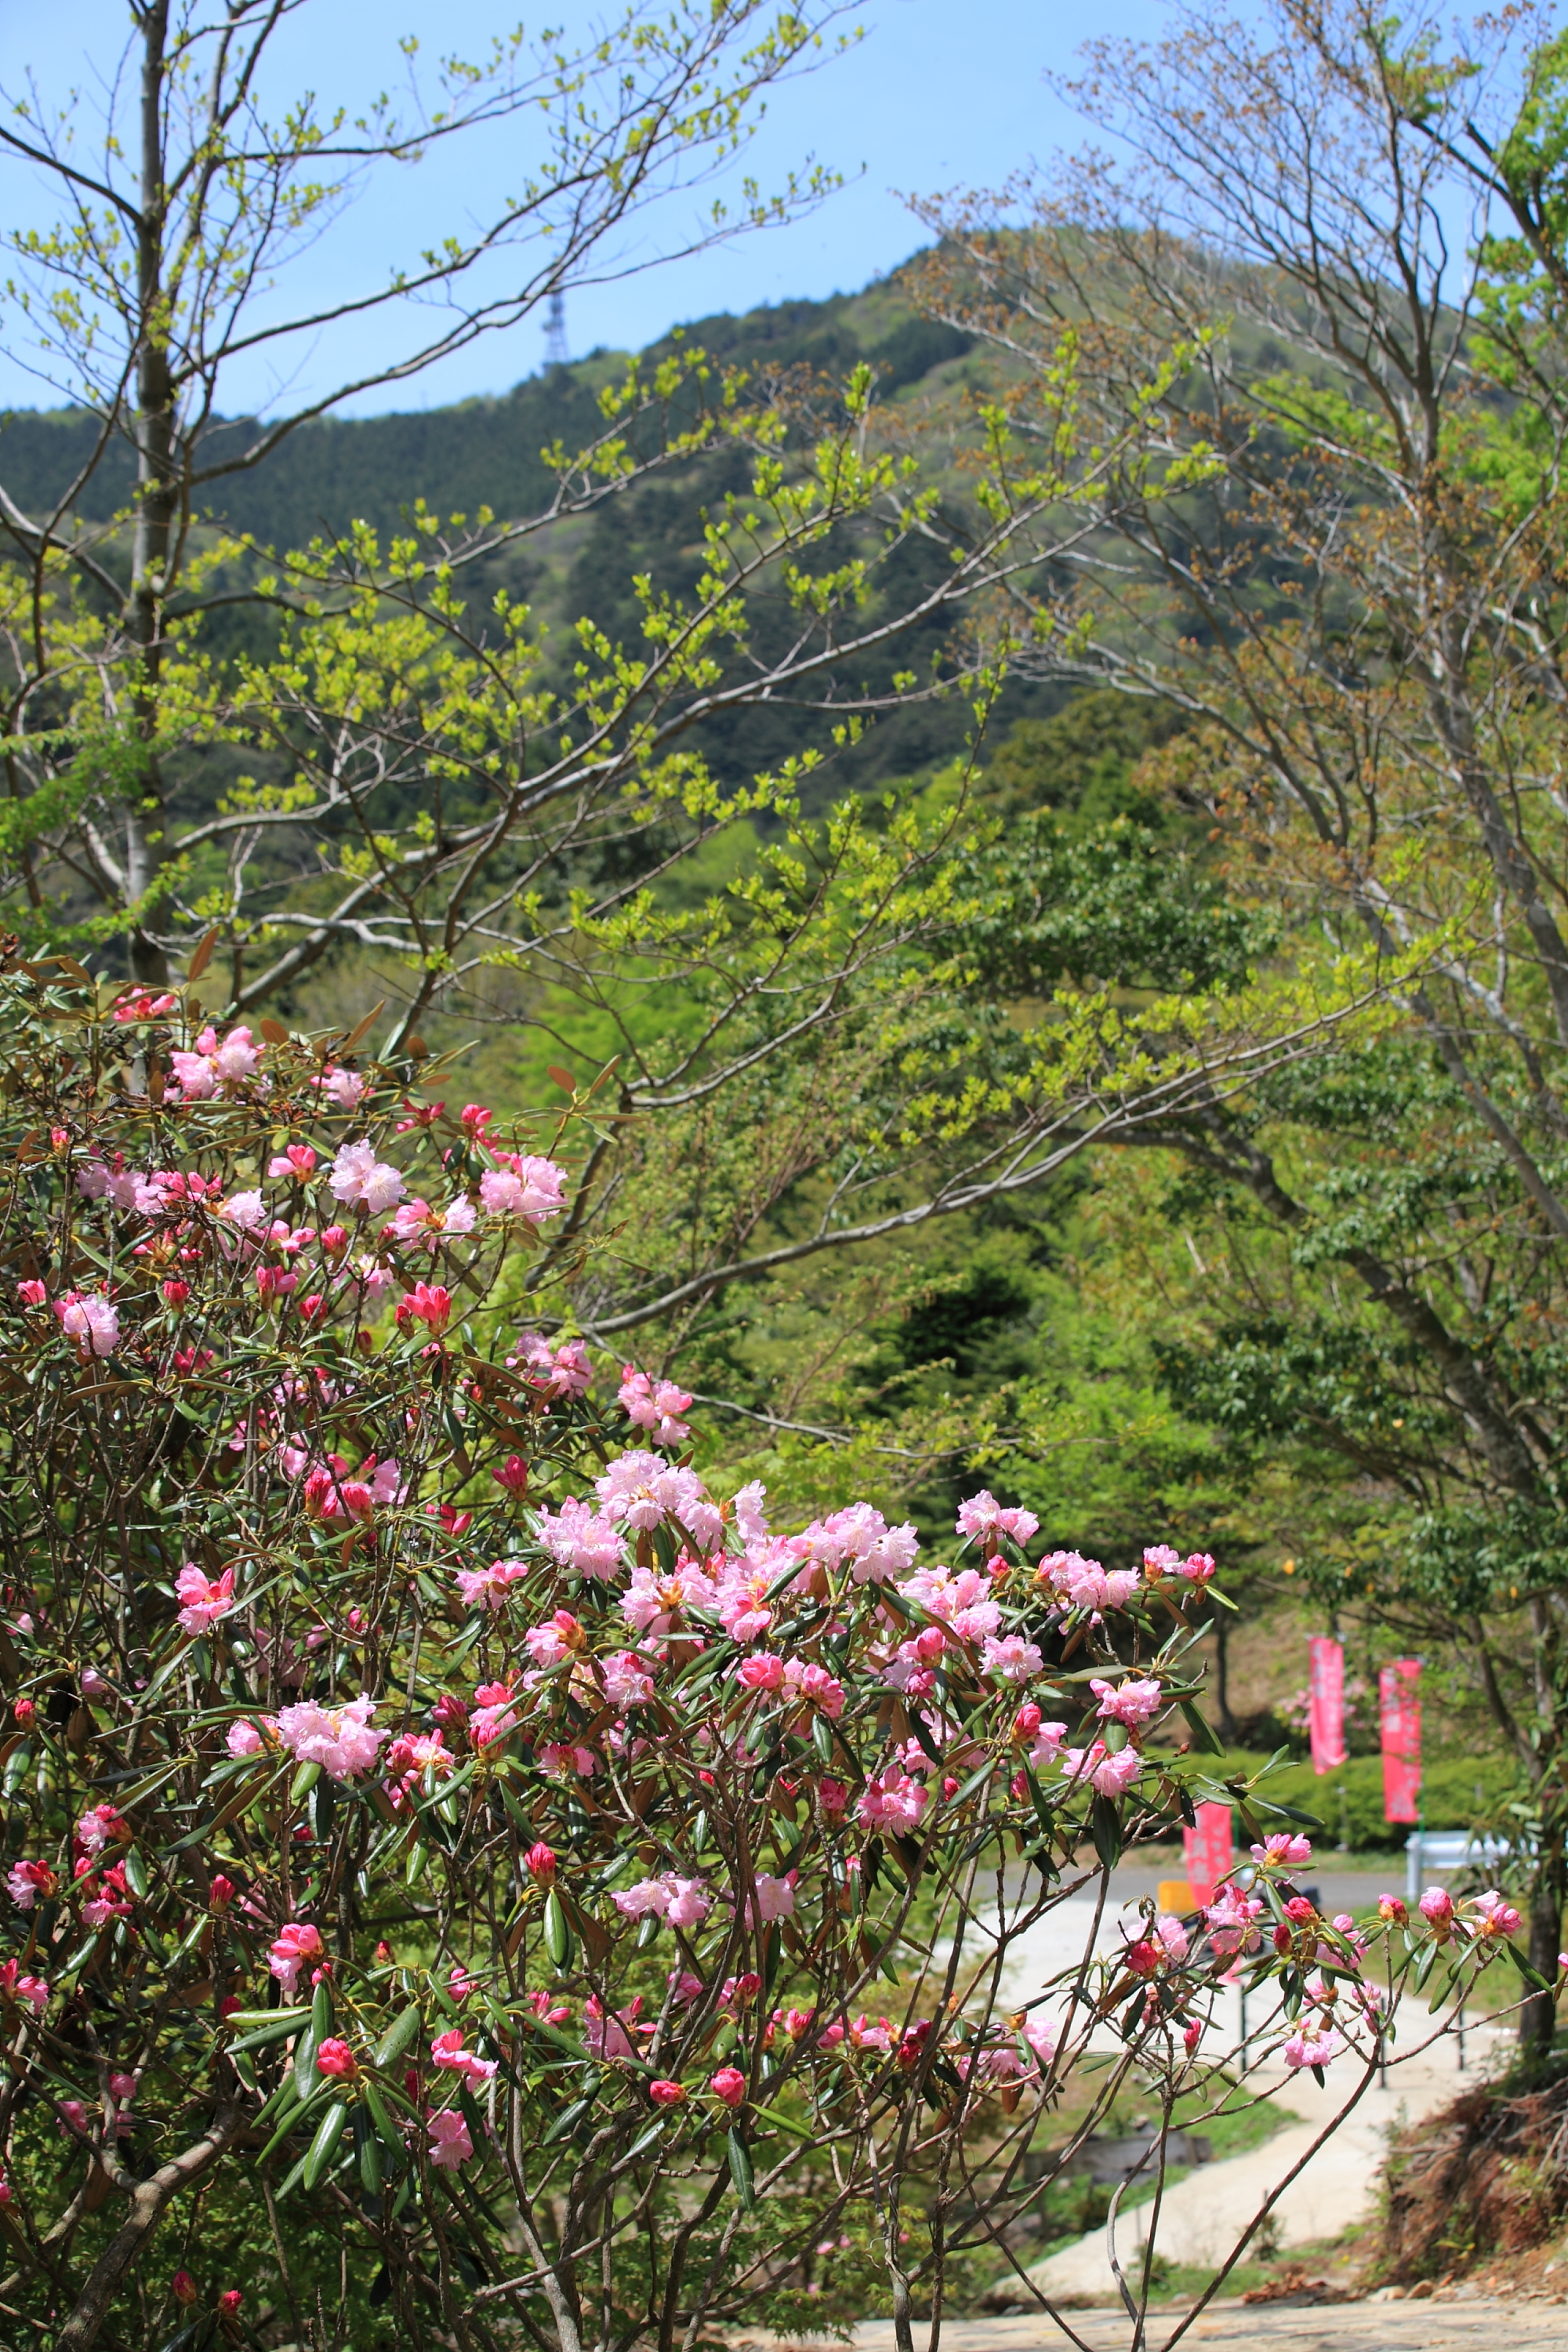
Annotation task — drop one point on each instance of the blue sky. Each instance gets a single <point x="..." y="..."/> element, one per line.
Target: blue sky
<point x="936" y="95"/>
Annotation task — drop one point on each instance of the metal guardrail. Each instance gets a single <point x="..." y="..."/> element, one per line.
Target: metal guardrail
<point x="1446" y="1850"/>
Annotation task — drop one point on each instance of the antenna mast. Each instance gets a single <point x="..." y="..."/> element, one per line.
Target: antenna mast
<point x="555" y="351"/>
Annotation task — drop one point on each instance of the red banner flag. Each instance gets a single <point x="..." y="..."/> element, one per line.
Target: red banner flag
<point x="1209" y="1851"/>
<point x="1326" y="1705"/>
<point x="1399" y="1709"/>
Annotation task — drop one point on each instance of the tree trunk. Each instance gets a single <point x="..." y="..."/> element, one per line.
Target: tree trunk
<point x="1538" y="2015"/>
<point x="156" y="501"/>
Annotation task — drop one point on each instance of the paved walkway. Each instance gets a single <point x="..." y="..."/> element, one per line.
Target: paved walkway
<point x="1371" y="2326"/>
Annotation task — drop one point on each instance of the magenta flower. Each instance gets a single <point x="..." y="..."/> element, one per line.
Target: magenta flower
<point x="486" y="1588"/>
<point x="295" y="1944"/>
<point x="1494" y="1915"/>
<point x="627" y="1679"/>
<point x="579" y="1537"/>
<point x="336" y="2059"/>
<point x="90" y="1322"/>
<point x="449" y="2143"/>
<point x="1314" y="2044"/>
<point x="524" y="1186"/>
<point x="892" y="1802"/>
<point x="1111" y="1775"/>
<point x="202" y="1603"/>
<point x="983" y="1520"/>
<point x="337" y="1738"/>
<point x="359" y="1179"/>
<point x="446" y="2049"/>
<point x="15" y="1985"/>
<point x="667" y="2093"/>
<point x="27" y="1880"/>
<point x="1132" y="1703"/>
<point x="730" y="2085"/>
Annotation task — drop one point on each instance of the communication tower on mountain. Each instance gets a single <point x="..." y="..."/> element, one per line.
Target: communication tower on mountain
<point x="555" y="351"/>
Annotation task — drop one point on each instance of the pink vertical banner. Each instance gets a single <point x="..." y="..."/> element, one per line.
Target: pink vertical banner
<point x="1399" y="1713"/>
<point x="1208" y="1851"/>
<point x="1326" y="1705"/>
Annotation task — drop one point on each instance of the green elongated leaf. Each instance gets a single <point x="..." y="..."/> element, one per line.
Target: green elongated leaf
<point x="741" y="2175"/>
<point x="1202" y="1728"/>
<point x="329" y="2131"/>
<point x="275" y="2032"/>
<point x="1531" y="1975"/>
<point x="321" y="2011"/>
<point x="304" y="1780"/>
<point x="567" y="2123"/>
<point x="559" y="1940"/>
<point x="240" y="2020"/>
<point x="293" y="2116"/>
<point x="1443" y="1987"/>
<point x="385" y="2130"/>
<point x="1105" y="1829"/>
<point x="786" y="2123"/>
<point x="369" y="2147"/>
<point x="400" y="2036"/>
<point x="305" y="2076"/>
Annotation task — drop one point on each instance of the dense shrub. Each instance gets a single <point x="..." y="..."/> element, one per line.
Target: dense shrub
<point x="457" y="1868"/>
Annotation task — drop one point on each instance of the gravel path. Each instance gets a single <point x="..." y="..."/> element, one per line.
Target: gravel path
<point x="1448" y="2323"/>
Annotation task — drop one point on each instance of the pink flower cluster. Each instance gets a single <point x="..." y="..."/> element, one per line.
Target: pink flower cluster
<point x="655" y="1405"/>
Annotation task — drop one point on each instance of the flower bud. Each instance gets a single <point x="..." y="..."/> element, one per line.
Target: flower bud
<point x="336" y="2059"/>
<point x="183" y="2287"/>
<point x="513" y="1475"/>
<point x="92" y="1684"/>
<point x="540" y="1864"/>
<point x="667" y="2095"/>
<point x="175" y="1292"/>
<point x="1391" y="1910"/>
<point x="1027" y="1722"/>
<point x="1281" y="1938"/>
<point x="229" y="2301"/>
<point x="1437" y="1909"/>
<point x="220" y="1893"/>
<point x="334" y="1241"/>
<point x="25" y="1713"/>
<point x="729" y="2085"/>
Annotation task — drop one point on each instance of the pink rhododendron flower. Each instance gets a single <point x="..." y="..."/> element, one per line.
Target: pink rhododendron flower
<point x="100" y="1827"/>
<point x="487" y="1588"/>
<point x="449" y="2143"/>
<point x="1132" y="1703"/>
<point x="559" y="1760"/>
<point x="642" y="1489"/>
<point x="610" y="2037"/>
<point x="1198" y="1569"/>
<point x="411" y="1756"/>
<point x="585" y="1540"/>
<point x="1283" y="1849"/>
<point x="336" y="2059"/>
<point x="523" y="1186"/>
<point x="27" y="1880"/>
<point x="295" y="1944"/>
<point x="762" y="1672"/>
<point x="427" y="1303"/>
<point x="494" y="1714"/>
<point x="1173" y="1935"/>
<point x="729" y="2085"/>
<point x="1314" y="2044"/>
<point x="655" y="1405"/>
<point x="345" y="1089"/>
<point x="246" y="1213"/>
<point x="15" y="1985"/>
<point x="1011" y="1659"/>
<point x="297" y="1161"/>
<point x="1085" y="1584"/>
<point x="202" y="1602"/>
<point x="816" y="1686"/>
<point x="653" y="1602"/>
<point x="32" y="1294"/>
<point x="214" y="1068"/>
<point x="552" y="1645"/>
<point x="359" y="1179"/>
<point x="90" y="1322"/>
<point x="337" y="1738"/>
<point x="684" y="1902"/>
<point x="983" y="1520"/>
<point x="1112" y="1775"/>
<point x="1493" y="1915"/>
<point x="667" y="2093"/>
<point x="446" y="2049"/>
<point x="772" y="1899"/>
<point x="564" y="1371"/>
<point x="1231" y="1922"/>
<point x="246" y="1738"/>
<point x="893" y="1801"/>
<point x="627" y="1679"/>
<point x="961" y="1601"/>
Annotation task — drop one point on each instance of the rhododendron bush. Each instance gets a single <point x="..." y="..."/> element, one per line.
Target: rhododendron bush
<point x="458" y="1864"/>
